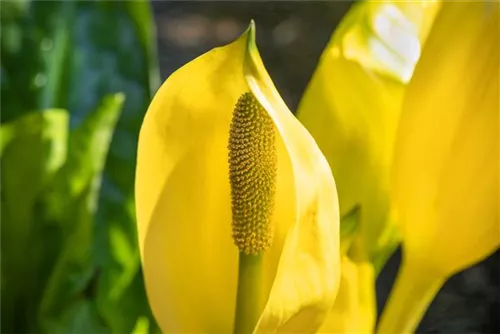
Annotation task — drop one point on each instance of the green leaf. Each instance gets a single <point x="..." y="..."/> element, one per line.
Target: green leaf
<point x="73" y="198"/>
<point x="78" y="317"/>
<point x="33" y="150"/>
<point x="44" y="136"/>
<point x="131" y="302"/>
<point x="88" y="148"/>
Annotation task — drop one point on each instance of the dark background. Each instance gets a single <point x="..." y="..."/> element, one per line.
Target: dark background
<point x="291" y="36"/>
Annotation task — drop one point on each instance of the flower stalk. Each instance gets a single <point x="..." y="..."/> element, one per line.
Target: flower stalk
<point x="248" y="302"/>
<point x="412" y="294"/>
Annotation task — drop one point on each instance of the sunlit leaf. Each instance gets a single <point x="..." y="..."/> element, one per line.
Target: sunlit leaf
<point x="33" y="150"/>
<point x="73" y="198"/>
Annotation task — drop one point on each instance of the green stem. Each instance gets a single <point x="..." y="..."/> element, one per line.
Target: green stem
<point x="248" y="300"/>
<point x="414" y="290"/>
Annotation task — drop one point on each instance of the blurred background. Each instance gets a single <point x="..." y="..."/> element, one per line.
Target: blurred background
<point x="76" y="80"/>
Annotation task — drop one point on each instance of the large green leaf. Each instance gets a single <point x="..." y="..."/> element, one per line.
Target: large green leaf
<point x="72" y="201"/>
<point x="33" y="150"/>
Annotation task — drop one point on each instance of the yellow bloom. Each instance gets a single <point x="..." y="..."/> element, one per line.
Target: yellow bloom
<point x="352" y="107"/>
<point x="446" y="172"/>
<point x="184" y="196"/>
<point x="354" y="308"/>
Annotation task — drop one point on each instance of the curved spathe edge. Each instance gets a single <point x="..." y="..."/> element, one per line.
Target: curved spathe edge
<point x="308" y="275"/>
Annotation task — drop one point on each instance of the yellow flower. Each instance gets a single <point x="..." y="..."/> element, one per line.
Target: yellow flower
<point x="352" y="107"/>
<point x="223" y="163"/>
<point x="446" y="181"/>
<point x="354" y="308"/>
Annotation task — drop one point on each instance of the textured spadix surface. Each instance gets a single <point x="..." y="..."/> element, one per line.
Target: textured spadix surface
<point x="184" y="212"/>
<point x="252" y="175"/>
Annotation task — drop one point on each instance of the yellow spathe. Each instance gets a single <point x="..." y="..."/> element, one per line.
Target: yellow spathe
<point x="184" y="208"/>
<point x="354" y="308"/>
<point x="353" y="102"/>
<point x="352" y="107"/>
<point x="446" y="170"/>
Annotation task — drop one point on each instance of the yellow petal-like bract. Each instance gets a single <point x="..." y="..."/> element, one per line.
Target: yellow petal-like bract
<point x="446" y="170"/>
<point x="447" y="152"/>
<point x="354" y="308"/>
<point x="353" y="102"/>
<point x="183" y="199"/>
<point x="352" y="107"/>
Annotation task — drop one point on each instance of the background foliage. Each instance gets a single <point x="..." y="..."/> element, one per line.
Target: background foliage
<point x="69" y="248"/>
